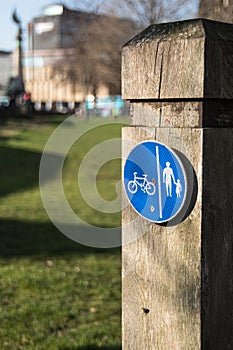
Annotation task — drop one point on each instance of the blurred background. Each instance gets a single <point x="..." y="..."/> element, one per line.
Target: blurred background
<point x="56" y="60"/>
<point x="66" y="58"/>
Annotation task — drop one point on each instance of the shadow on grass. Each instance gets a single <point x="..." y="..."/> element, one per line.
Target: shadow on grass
<point x="19" y="169"/>
<point x="37" y="118"/>
<point x="19" y="238"/>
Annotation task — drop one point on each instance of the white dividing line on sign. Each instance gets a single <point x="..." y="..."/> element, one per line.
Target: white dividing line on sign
<point x="159" y="183"/>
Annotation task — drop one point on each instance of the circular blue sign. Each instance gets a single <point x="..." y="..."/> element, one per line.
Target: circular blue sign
<point x="155" y="181"/>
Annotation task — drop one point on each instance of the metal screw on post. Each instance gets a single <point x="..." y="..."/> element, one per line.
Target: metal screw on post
<point x="145" y="310"/>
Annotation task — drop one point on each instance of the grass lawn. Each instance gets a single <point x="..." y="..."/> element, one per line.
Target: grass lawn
<point x="54" y="293"/>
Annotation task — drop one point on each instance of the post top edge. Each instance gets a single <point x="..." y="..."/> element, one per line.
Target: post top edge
<point x="187" y="29"/>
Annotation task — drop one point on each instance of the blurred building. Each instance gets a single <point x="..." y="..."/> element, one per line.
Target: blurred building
<point x="219" y="10"/>
<point x="43" y="83"/>
<point x="50" y="38"/>
<point x="6" y="70"/>
<point x="58" y="28"/>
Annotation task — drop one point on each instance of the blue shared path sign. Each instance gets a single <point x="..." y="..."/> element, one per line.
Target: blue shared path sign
<point x="155" y="181"/>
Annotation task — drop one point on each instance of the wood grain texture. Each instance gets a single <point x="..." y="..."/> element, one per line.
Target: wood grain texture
<point x="217" y="240"/>
<point x="182" y="60"/>
<point x="182" y="274"/>
<point x="161" y="269"/>
<point x="219" y="68"/>
<point x="167" y="114"/>
<point x="183" y="114"/>
<point x="177" y="280"/>
<point x="158" y="70"/>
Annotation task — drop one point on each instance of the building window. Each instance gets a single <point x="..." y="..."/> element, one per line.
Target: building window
<point x="225" y="3"/>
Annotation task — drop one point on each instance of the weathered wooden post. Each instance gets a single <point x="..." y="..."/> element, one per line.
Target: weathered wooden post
<point x="178" y="278"/>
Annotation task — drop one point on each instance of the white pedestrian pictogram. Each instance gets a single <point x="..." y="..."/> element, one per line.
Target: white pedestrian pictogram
<point x="178" y="188"/>
<point x="141" y="182"/>
<point x="168" y="177"/>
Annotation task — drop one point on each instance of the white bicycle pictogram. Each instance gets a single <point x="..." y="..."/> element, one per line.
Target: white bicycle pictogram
<point x="141" y="182"/>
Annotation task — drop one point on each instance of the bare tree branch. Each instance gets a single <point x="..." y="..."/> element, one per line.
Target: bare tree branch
<point x="103" y="28"/>
<point x="96" y="60"/>
<point x="146" y="12"/>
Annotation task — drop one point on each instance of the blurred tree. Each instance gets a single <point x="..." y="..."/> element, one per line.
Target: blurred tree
<point x="219" y="10"/>
<point x="143" y="12"/>
<point x="96" y="59"/>
<point x="110" y="24"/>
<point x="147" y="12"/>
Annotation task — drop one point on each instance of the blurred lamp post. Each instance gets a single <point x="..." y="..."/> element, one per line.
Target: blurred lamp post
<point x="20" y="81"/>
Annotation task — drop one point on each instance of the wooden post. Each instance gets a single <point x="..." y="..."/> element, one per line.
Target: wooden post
<point x="178" y="280"/>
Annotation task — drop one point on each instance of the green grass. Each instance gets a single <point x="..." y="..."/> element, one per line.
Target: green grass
<point x="54" y="293"/>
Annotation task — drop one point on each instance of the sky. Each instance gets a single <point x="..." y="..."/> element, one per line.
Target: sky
<point x="26" y="10"/>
